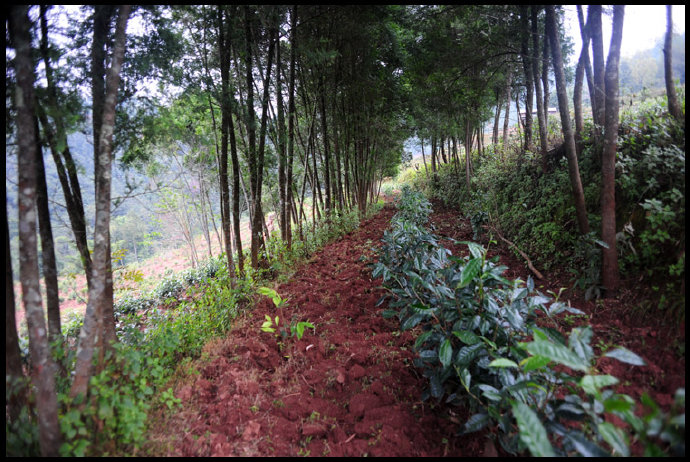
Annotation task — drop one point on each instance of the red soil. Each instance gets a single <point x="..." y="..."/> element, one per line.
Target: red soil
<point x="349" y="388"/>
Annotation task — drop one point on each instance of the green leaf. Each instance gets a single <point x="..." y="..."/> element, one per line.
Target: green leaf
<point x="491" y="393"/>
<point x="579" y="342"/>
<point x="615" y="438"/>
<point x="626" y="356"/>
<point x="272" y="294"/>
<point x="532" y="432"/>
<point x="422" y="338"/>
<point x="467" y="337"/>
<point x="591" y="384"/>
<point x="557" y="353"/>
<point x="534" y="362"/>
<point x="475" y="249"/>
<point x="445" y="353"/>
<point x="412" y="321"/>
<point x="465" y="378"/>
<point x="503" y="362"/>
<point x="476" y="423"/>
<point x="469" y="272"/>
<point x="619" y="403"/>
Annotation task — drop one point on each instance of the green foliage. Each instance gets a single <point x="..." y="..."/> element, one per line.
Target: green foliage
<point x="479" y="346"/>
<point x="273" y="325"/>
<point x="536" y="210"/>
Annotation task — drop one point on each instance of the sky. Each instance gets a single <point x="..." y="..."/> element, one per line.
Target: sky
<point x="643" y="26"/>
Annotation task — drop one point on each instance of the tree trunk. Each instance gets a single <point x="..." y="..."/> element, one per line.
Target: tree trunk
<point x="43" y="367"/>
<point x="568" y="137"/>
<point x="545" y="80"/>
<point x="93" y="334"/>
<point x="14" y="387"/>
<point x="506" y="120"/>
<point x="598" y="99"/>
<point x="673" y="106"/>
<point x="582" y="63"/>
<point x="609" y="267"/>
<point x="67" y="171"/>
<point x="47" y="245"/>
<point x="291" y="121"/>
<point x="226" y="116"/>
<point x="529" y="77"/>
<point x="541" y="110"/>
<point x="426" y="171"/>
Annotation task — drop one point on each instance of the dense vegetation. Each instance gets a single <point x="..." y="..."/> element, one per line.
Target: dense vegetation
<point x="510" y="194"/>
<point x="480" y="345"/>
<point x="253" y="135"/>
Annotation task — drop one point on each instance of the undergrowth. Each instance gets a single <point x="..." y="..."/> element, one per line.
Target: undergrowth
<point x="536" y="210"/>
<point x="157" y="330"/>
<point x="480" y="347"/>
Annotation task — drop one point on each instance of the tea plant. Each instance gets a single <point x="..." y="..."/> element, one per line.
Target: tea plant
<point x="479" y="346"/>
<point x="273" y="325"/>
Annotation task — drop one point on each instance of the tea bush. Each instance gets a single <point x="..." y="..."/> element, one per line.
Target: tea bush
<point x="479" y="346"/>
<point x="536" y="210"/>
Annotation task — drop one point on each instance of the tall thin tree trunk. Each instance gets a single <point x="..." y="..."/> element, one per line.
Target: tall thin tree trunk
<point x="426" y="171"/>
<point x="43" y="367"/>
<point x="67" y="171"/>
<point x="93" y="335"/>
<point x="579" y="77"/>
<point x="541" y="110"/>
<point x="291" y="120"/>
<point x="506" y="120"/>
<point x="599" y="97"/>
<point x="529" y="76"/>
<point x="609" y="267"/>
<point x="545" y="79"/>
<point x="14" y="377"/>
<point x="673" y="106"/>
<point x="47" y="245"/>
<point x="226" y="116"/>
<point x="568" y="137"/>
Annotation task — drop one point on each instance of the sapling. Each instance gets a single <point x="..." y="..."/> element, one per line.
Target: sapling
<point x="273" y="324"/>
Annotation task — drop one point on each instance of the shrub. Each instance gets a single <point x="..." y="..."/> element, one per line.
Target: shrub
<point x="479" y="345"/>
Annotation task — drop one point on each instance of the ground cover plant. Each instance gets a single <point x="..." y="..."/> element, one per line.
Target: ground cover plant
<point x="479" y="345"/>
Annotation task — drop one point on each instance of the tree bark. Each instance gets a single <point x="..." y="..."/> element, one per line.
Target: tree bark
<point x="47" y="245"/>
<point x="673" y="106"/>
<point x="14" y="375"/>
<point x="506" y="120"/>
<point x="582" y="63"/>
<point x="291" y="120"/>
<point x="93" y="334"/>
<point x="67" y="171"/>
<point x="541" y="110"/>
<point x="568" y="137"/>
<point x="599" y="97"/>
<point x="529" y="76"/>
<point x="226" y="115"/>
<point x="43" y="367"/>
<point x="609" y="267"/>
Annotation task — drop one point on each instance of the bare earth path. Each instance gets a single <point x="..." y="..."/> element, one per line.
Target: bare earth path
<point x="346" y="389"/>
<point x="349" y="388"/>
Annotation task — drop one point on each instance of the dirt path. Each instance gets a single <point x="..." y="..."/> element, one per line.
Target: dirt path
<point x="349" y="388"/>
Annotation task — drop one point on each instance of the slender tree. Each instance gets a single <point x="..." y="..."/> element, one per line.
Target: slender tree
<point x="44" y="369"/>
<point x="568" y="137"/>
<point x="226" y="115"/>
<point x="541" y="110"/>
<point x="92" y="336"/>
<point x="609" y="268"/>
<point x="673" y="105"/>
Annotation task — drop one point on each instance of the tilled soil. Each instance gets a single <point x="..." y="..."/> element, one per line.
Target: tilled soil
<point x="348" y="387"/>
